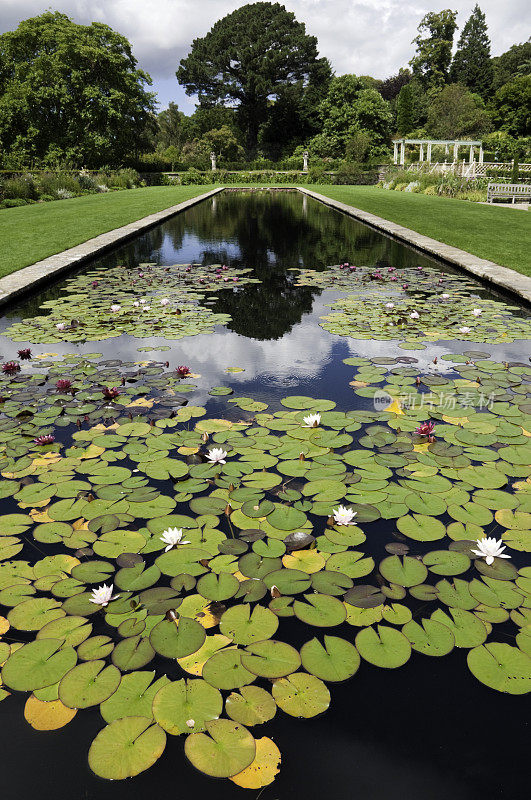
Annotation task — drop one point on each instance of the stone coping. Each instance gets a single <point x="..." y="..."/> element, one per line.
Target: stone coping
<point x="503" y="277"/>
<point x="47" y="270"/>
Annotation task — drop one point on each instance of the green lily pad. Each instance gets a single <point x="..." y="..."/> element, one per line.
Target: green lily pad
<point x="227" y="749"/>
<point x="126" y="747"/>
<point x="186" y="706"/>
<point x="336" y="660"/>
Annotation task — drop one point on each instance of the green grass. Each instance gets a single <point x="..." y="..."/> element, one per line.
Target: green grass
<point x="497" y="234"/>
<point x="31" y="233"/>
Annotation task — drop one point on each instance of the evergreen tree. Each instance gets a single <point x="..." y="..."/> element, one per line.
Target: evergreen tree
<point x="246" y="60"/>
<point x="472" y="65"/>
<point x="404" y="111"/>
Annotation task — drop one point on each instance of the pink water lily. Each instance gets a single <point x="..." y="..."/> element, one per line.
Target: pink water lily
<point x="48" y="438"/>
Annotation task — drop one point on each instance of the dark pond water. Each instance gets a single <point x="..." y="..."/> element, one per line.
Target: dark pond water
<point x="427" y="731"/>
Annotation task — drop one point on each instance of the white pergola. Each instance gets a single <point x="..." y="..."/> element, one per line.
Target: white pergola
<point x="429" y="143"/>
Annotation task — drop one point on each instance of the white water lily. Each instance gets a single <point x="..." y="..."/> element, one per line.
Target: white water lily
<point x="389" y="305"/>
<point x="445" y="296"/>
<point x="143" y="300"/>
<point x="103" y="595"/>
<point x="190" y="723"/>
<point x="115" y="307"/>
<point x="164" y="301"/>
<point x="343" y="515"/>
<point x="414" y="315"/>
<point x="172" y="537"/>
<point x="489" y="549"/>
<point x="217" y="455"/>
<point x="146" y="308"/>
<point x="464" y="329"/>
<point x="312" y="421"/>
<point x="61" y="326"/>
<point x="136" y="304"/>
<point x="477" y="312"/>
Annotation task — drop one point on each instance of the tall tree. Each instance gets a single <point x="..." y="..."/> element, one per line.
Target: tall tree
<point x="431" y="63"/>
<point x="294" y="116"/>
<point x="405" y="120"/>
<point x="472" y="65"/>
<point x="71" y="92"/>
<point x="246" y="59"/>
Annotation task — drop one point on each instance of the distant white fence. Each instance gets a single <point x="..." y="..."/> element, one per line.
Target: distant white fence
<point x="468" y="170"/>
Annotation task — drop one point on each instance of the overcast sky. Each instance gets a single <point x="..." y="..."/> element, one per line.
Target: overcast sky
<point x="367" y="38"/>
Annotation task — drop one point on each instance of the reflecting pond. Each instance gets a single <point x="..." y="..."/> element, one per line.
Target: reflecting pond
<point x="331" y="421"/>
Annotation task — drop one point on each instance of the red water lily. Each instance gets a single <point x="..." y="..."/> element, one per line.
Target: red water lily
<point x="426" y="429"/>
<point x="110" y="392"/>
<point x="24" y="354"/>
<point x="183" y="371"/>
<point x="11" y="367"/>
<point x="63" y="384"/>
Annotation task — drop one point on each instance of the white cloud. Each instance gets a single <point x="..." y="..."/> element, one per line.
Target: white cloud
<point x="367" y="37"/>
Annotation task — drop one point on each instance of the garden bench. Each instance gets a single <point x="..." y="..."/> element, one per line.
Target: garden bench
<point x="516" y="191"/>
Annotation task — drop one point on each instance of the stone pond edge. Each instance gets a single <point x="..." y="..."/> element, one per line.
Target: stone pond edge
<point x="49" y="269"/>
<point x="503" y="277"/>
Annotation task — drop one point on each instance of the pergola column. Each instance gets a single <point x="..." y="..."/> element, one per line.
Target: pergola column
<point x="402" y="153"/>
<point x="481" y="154"/>
<point x="421" y="154"/>
<point x="471" y="156"/>
<point x="429" y="153"/>
<point x="395" y="154"/>
<point x="456" y="152"/>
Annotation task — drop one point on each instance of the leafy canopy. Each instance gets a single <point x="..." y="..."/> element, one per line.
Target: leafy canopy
<point x="431" y="62"/>
<point x="71" y="92"/>
<point x="347" y="109"/>
<point x="455" y="112"/>
<point x="246" y="59"/>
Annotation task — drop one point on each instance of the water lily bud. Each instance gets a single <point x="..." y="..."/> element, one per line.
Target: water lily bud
<point x="275" y="591"/>
<point x="228" y="510"/>
<point x="190" y="723"/>
<point x="302" y="457"/>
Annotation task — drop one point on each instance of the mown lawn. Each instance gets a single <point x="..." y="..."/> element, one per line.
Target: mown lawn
<point x="31" y="233"/>
<point x="499" y="234"/>
<point x="34" y="232"/>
